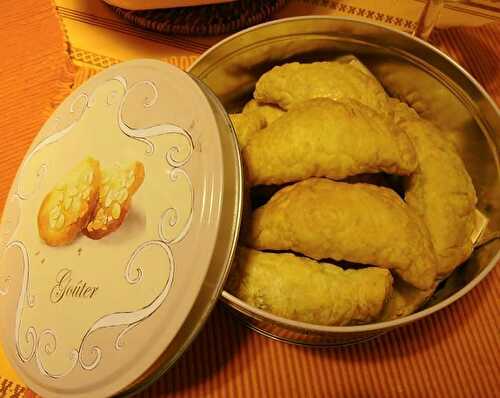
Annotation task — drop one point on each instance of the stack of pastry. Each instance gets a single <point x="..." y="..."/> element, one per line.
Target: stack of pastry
<point x="337" y="244"/>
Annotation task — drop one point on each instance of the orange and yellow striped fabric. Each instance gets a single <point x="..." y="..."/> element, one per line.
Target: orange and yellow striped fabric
<point x="453" y="353"/>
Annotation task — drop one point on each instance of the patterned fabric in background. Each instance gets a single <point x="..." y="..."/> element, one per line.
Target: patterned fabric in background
<point x="99" y="37"/>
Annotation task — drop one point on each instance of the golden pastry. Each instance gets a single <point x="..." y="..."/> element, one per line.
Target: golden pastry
<point x="304" y="290"/>
<point x="326" y="138"/>
<point x="69" y="206"/>
<point x="356" y="63"/>
<point x="295" y="82"/>
<point x="360" y="223"/>
<point x="269" y="112"/>
<point x="245" y="125"/>
<point x="405" y="300"/>
<point x="118" y="185"/>
<point x="440" y="190"/>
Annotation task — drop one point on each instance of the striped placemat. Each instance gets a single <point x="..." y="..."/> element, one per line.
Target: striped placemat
<point x="35" y="75"/>
<point x="453" y="353"/>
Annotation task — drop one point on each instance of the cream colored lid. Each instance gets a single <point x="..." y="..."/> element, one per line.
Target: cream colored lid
<point x="98" y="282"/>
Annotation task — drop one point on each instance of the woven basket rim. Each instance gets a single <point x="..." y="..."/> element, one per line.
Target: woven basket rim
<point x="202" y="20"/>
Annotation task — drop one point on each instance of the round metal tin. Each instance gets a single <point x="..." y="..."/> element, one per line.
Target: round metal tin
<point x="409" y="69"/>
<point x="102" y="288"/>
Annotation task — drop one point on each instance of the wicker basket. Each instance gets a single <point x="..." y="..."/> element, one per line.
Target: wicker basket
<point x="214" y="19"/>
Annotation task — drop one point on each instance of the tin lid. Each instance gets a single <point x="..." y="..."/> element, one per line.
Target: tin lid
<point x="118" y="232"/>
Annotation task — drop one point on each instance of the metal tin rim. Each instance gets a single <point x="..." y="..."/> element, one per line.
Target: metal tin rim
<point x="350" y="19"/>
<point x="163" y="366"/>
<point x="235" y="302"/>
<point x="238" y="304"/>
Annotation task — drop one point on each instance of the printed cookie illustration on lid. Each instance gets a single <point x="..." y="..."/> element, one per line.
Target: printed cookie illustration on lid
<point x="111" y="231"/>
